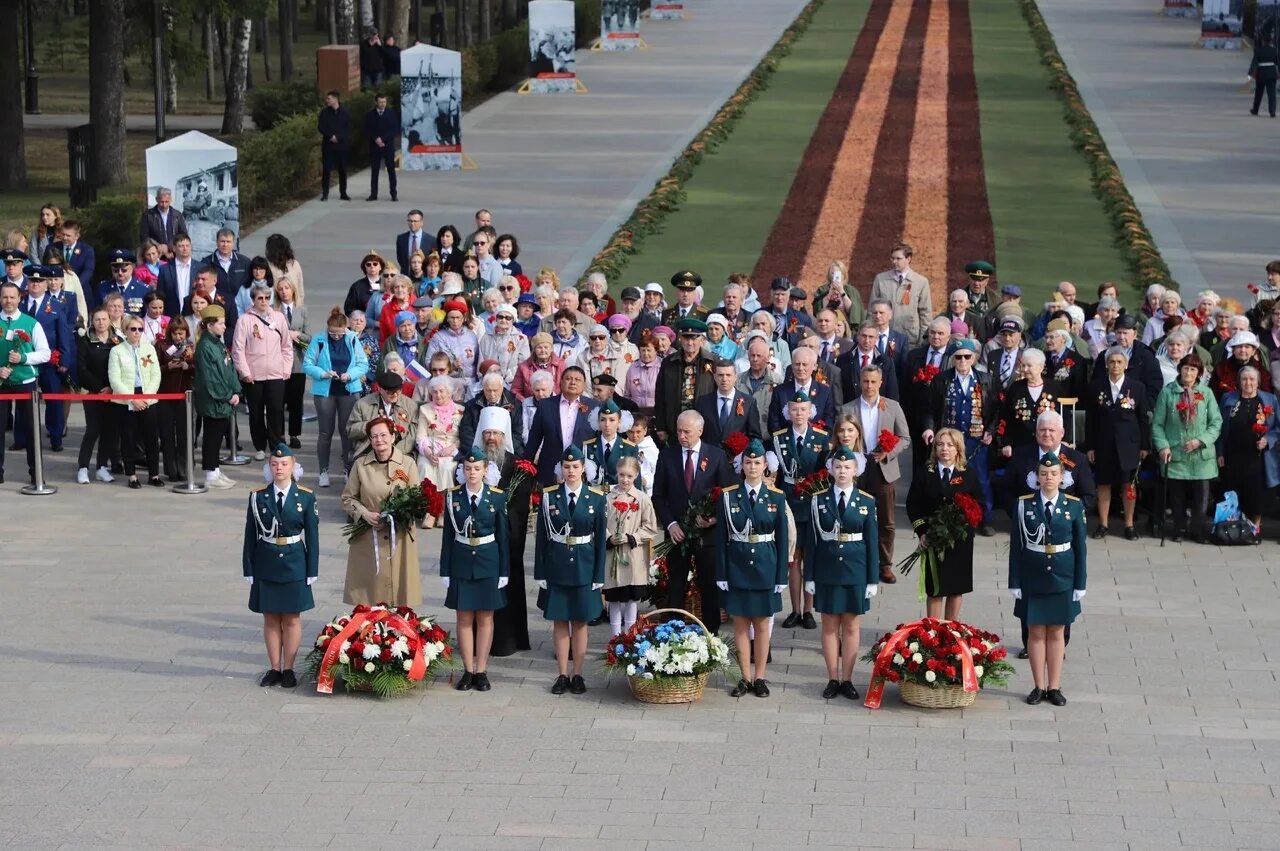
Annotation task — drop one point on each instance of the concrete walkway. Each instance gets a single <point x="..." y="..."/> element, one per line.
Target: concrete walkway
<point x="559" y="171"/>
<point x="134" y="123"/>
<point x="1201" y="169"/>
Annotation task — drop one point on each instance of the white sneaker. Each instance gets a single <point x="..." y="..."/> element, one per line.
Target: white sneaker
<point x="259" y="455"/>
<point x="324" y="479"/>
<point x="229" y="481"/>
<point x="82" y="476"/>
<point x="104" y="475"/>
<point x="220" y="482"/>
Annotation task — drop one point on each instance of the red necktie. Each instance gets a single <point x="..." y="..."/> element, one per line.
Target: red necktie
<point x="688" y="470"/>
<point x="865" y="358"/>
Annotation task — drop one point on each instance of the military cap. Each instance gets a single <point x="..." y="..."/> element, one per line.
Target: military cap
<point x="389" y="380"/>
<point x="53" y="271"/>
<point x="282" y="450"/>
<point x="968" y="346"/>
<point x="37" y="273"/>
<point x="1058" y="325"/>
<point x="1050" y="459"/>
<point x="844" y="453"/>
<point x="213" y="311"/>
<point x="474" y="455"/>
<point x="605" y="379"/>
<point x="755" y="449"/>
<point x="780" y="284"/>
<point x="610" y="407"/>
<point x="573" y="453"/>
<point x="980" y="269"/>
<point x="122" y="257"/>
<point x="1011" y="289"/>
<point x="800" y="396"/>
<point x="630" y="294"/>
<point x="686" y="280"/>
<point x="1010" y="324"/>
<point x="691" y="325"/>
<point x="13" y="255"/>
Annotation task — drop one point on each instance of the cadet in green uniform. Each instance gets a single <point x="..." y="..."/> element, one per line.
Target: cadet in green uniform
<point x="1263" y="71"/>
<point x="569" y="563"/>
<point x="475" y="565"/>
<point x="603" y="451"/>
<point x="801" y="450"/>
<point x="751" y="563"/>
<point x="281" y="560"/>
<point x="1047" y="574"/>
<point x="842" y="568"/>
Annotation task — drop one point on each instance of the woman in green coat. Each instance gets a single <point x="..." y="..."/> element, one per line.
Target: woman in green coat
<point x="1185" y="430"/>
<point x="216" y="393"/>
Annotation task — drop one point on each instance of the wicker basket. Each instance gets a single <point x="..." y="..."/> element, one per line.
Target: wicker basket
<point x="945" y="697"/>
<point x="672" y="689"/>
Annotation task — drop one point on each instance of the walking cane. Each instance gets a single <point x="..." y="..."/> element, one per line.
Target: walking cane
<point x="1164" y="498"/>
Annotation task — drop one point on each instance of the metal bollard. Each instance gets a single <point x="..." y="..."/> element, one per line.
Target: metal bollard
<point x="235" y="459"/>
<point x="39" y="488"/>
<point x="190" y="485"/>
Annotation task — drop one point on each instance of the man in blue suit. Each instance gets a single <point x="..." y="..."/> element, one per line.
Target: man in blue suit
<point x="177" y="277"/>
<point x="77" y="255"/>
<point x="803" y="363"/>
<point x="14" y="262"/>
<point x="414" y="239"/>
<point x="381" y="127"/>
<point x="786" y="319"/>
<point x="121" y="281"/>
<point x="865" y="353"/>
<point x="569" y="411"/>
<point x="54" y="375"/>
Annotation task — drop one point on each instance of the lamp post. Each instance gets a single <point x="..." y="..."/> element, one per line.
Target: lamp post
<point x="157" y="64"/>
<point x="33" y="77"/>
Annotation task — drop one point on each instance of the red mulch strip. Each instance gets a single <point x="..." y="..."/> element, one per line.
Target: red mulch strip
<point x="970" y="233"/>
<point x="788" y="242"/>
<point x="884" y="213"/>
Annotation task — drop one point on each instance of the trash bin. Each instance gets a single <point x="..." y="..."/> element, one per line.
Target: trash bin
<point x="84" y="181"/>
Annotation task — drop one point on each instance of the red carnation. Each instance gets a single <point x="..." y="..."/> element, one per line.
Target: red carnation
<point x="925" y="374"/>
<point x="1259" y="428"/>
<point x="535" y="499"/>
<point x="715" y="493"/>
<point x="735" y="444"/>
<point x="887" y="440"/>
<point x="385" y="656"/>
<point x="972" y="511"/>
<point x="525" y="466"/>
<point x="22" y="335"/>
<point x="55" y="357"/>
<point x="621" y="506"/>
<point x="357" y="648"/>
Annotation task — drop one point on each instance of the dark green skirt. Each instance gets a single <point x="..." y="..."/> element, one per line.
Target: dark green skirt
<point x="750" y="602"/>
<point x="1047" y="609"/>
<point x="571" y="603"/>
<point x="840" y="599"/>
<point x="475" y="595"/>
<point x="280" y="598"/>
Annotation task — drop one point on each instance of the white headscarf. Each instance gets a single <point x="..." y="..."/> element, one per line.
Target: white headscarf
<point x="496" y="419"/>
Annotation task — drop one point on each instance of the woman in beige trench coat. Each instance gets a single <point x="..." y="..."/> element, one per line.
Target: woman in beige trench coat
<point x="631" y="536"/>
<point x="390" y="579"/>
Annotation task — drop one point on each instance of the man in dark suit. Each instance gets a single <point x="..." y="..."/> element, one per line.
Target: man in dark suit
<point x="414" y="239"/>
<point x="77" y="255"/>
<point x="1002" y="362"/>
<point x="890" y="342"/>
<point x="334" y="125"/>
<point x="177" y="277"/>
<point x="1143" y="366"/>
<point x="830" y="346"/>
<point x="381" y="127"/>
<point x="686" y="472"/>
<point x="786" y="320"/>
<point x="162" y="224"/>
<point x="865" y="354"/>
<point x="690" y="369"/>
<point x="803" y="363"/>
<point x="492" y="395"/>
<point x="1064" y="364"/>
<point x="922" y="364"/>
<point x="53" y="375"/>
<point x="570" y="410"/>
<point x="728" y="410"/>
<point x="232" y="269"/>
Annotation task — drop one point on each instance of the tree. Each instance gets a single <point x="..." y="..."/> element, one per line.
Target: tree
<point x="287" y="10"/>
<point x="13" y="155"/>
<point x="239" y="34"/>
<point x="399" y="22"/>
<point x="510" y="14"/>
<point x="463" y="12"/>
<point x="486" y="20"/>
<point x="107" y="50"/>
<point x="345" y="12"/>
<point x="366" y="16"/>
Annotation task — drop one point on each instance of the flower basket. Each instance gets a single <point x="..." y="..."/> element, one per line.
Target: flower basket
<point x="937" y="664"/>
<point x="388" y="651"/>
<point x="667" y="663"/>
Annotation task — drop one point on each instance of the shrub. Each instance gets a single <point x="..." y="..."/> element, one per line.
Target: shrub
<point x="279" y="163"/>
<point x="109" y="223"/>
<point x="273" y="103"/>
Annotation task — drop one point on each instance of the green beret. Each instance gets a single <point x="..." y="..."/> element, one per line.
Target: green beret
<point x="755" y="449"/>
<point x="844" y="453"/>
<point x="610" y="407"/>
<point x="474" y="454"/>
<point x="573" y="453"/>
<point x="979" y="269"/>
<point x="691" y="325"/>
<point x="282" y="450"/>
<point x="1050" y="460"/>
<point x="686" y="280"/>
<point x="968" y="346"/>
<point x="800" y="396"/>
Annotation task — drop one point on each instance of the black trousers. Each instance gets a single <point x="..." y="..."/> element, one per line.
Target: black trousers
<point x="266" y="412"/>
<point x="378" y="157"/>
<point x="135" y="426"/>
<point x="1193" y="494"/>
<point x="333" y="158"/>
<point x="294" y="388"/>
<point x="101" y="427"/>
<point x="21" y="412"/>
<point x="703" y="562"/>
<point x="511" y="623"/>
<point x="215" y="431"/>
<point x="1264" y="84"/>
<point x="173" y="437"/>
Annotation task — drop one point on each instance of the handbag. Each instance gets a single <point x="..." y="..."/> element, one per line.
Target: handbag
<point x="1233" y="533"/>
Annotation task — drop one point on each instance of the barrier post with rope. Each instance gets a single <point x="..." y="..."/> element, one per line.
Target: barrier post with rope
<point x="190" y="486"/>
<point x="38" y="487"/>
<point x="234" y="458"/>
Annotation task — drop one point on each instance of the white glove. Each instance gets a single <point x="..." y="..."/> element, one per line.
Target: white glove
<point x="1015" y="593"/>
<point x="872" y="590"/>
<point x="810" y="587"/>
<point x="596" y="586"/>
<point x="502" y="581"/>
<point x="249" y="579"/>
<point x="723" y="586"/>
<point x="778" y="589"/>
<point x="444" y="580"/>
<point x="311" y="580"/>
<point x="542" y="583"/>
<point x="1077" y="596"/>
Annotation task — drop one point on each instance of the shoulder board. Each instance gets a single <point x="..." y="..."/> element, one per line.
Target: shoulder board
<point x="304" y="490"/>
<point x="1027" y="496"/>
<point x="626" y="442"/>
<point x="1070" y="497"/>
<point x="452" y="489"/>
<point x="819" y="431"/>
<point x="590" y="440"/>
<point x="781" y="431"/>
<point x="867" y="495"/>
<point x="550" y="488"/>
<point x="775" y="489"/>
<point x="262" y="489"/>
<point x="494" y="490"/>
<point x="595" y="489"/>
<point x="728" y="488"/>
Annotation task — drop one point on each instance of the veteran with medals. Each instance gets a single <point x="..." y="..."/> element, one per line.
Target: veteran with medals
<point x="842" y="568"/>
<point x="801" y="450"/>
<point x="751" y="564"/>
<point x="281" y="561"/>
<point x="1047" y="574"/>
<point x="569" y="560"/>
<point x="474" y="565"/>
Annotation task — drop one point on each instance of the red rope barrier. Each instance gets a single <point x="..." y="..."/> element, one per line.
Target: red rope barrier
<point x="112" y="397"/>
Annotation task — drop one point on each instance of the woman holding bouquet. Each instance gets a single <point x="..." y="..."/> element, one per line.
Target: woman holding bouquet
<point x="751" y="564"/>
<point x="801" y="451"/>
<point x="474" y="565"/>
<point x="382" y="563"/>
<point x="1250" y="430"/>
<point x="438" y="422"/>
<point x="842" y="568"/>
<point x="1187" y="420"/>
<point x="633" y="527"/>
<point x="1047" y="574"/>
<point x="942" y="479"/>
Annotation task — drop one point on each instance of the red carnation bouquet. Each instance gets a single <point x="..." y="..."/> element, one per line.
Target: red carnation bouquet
<point x="383" y="649"/>
<point x="704" y="508"/>
<point x="948" y="525"/>
<point x="407" y="506"/>
<point x="887" y="440"/>
<point x="813" y="484"/>
<point x="928" y="652"/>
<point x="524" y="470"/>
<point x="735" y="444"/>
<point x="925" y="374"/>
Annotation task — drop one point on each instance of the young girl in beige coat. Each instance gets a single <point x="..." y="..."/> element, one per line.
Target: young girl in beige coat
<point x="632" y="526"/>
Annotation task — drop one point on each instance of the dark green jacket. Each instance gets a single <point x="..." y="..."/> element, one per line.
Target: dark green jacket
<point x="216" y="379"/>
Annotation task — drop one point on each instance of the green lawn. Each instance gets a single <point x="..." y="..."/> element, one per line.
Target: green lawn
<point x="1049" y="226"/>
<point x="736" y="193"/>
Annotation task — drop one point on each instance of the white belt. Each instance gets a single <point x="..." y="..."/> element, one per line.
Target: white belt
<point x="572" y="541"/>
<point x="1049" y="549"/>
<point x="281" y="542"/>
<point x="752" y="539"/>
<point x="1265" y="64"/>
<point x="848" y="537"/>
<point x="475" y="542"/>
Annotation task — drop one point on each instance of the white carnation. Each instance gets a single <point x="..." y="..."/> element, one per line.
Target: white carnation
<point x="917" y="658"/>
<point x="977" y="669"/>
<point x="930" y="676"/>
<point x="346" y="645"/>
<point x="400" y="648"/>
<point x="631" y="670"/>
<point x="344" y="658"/>
<point x="913" y="646"/>
<point x="897" y="659"/>
<point x="408" y="663"/>
<point x="369" y="667"/>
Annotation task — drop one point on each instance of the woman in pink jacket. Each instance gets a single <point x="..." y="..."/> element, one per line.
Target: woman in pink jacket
<point x="541" y="359"/>
<point x="262" y="351"/>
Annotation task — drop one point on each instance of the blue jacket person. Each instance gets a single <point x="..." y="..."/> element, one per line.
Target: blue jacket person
<point x="1047" y="574"/>
<point x="475" y="564"/>
<point x="281" y="561"/>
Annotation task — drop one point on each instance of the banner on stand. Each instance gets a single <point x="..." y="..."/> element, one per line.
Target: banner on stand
<point x="666" y="11"/>
<point x="619" y="24"/>
<point x="430" y="108"/>
<point x="1221" y="25"/>
<point x="1181" y="9"/>
<point x="551" y="46"/>
<point x="201" y="173"/>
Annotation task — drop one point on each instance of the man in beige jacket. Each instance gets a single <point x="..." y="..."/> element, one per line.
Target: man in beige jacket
<point x="908" y="292"/>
